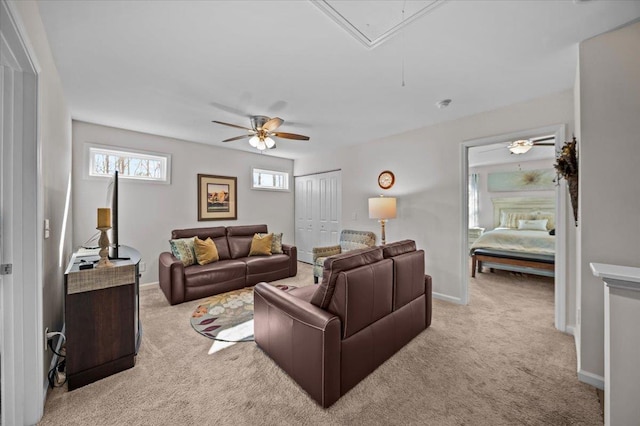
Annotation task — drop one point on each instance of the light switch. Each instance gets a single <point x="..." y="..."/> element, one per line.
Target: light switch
<point x="46" y="229"/>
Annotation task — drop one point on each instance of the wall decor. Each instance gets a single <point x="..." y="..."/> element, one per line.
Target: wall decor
<point x="525" y="180"/>
<point x="567" y="167"/>
<point x="217" y="197"/>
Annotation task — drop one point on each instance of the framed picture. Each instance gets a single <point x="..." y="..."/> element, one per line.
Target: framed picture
<point x="217" y="197"/>
<point x="526" y="180"/>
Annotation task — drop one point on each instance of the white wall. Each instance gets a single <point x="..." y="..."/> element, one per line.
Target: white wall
<point x="609" y="155"/>
<point x="485" y="215"/>
<point x="426" y="163"/>
<point x="55" y="156"/>
<point x="149" y="211"/>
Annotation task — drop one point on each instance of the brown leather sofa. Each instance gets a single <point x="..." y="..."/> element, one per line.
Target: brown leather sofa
<point x="234" y="270"/>
<point x="329" y="337"/>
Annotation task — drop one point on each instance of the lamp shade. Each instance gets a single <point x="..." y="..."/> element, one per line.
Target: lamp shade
<point x="382" y="208"/>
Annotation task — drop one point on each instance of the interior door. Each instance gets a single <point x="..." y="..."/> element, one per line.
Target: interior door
<point x="318" y="201"/>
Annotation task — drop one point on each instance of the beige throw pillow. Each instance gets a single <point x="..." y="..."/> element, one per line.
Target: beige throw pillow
<point x="261" y="245"/>
<point x="206" y="251"/>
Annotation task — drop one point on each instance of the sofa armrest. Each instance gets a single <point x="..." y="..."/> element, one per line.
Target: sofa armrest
<point x="292" y="252"/>
<point x="428" y="290"/>
<point x="171" y="277"/>
<point x="325" y="251"/>
<point x="301" y="338"/>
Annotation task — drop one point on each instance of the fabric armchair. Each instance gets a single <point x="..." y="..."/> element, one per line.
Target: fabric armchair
<point x="349" y="240"/>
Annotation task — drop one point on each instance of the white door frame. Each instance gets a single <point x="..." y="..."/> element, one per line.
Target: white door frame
<point x="23" y="337"/>
<point x="561" y="225"/>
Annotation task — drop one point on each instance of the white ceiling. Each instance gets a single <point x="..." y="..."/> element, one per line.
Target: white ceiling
<point x="170" y="67"/>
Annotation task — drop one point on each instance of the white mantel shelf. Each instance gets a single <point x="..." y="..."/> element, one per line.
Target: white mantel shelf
<point x="617" y="276"/>
<point x="621" y="343"/>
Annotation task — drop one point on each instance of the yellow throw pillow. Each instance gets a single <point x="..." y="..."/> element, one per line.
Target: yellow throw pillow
<point x="206" y="251"/>
<point x="261" y="245"/>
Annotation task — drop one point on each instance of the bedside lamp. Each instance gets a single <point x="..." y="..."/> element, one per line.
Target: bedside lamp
<point x="382" y="208"/>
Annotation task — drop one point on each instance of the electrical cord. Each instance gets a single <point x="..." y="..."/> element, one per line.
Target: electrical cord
<point x="60" y="365"/>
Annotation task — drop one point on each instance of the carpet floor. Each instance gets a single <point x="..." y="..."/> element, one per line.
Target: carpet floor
<point x="497" y="361"/>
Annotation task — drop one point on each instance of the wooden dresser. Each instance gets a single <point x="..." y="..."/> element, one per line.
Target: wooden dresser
<point x="101" y="318"/>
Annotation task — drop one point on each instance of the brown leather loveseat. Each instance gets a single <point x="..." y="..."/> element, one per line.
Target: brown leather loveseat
<point x="329" y="337"/>
<point x="235" y="269"/>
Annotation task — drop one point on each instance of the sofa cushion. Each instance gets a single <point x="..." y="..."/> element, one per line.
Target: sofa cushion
<point x="408" y="274"/>
<point x="261" y="245"/>
<point x="239" y="238"/>
<point x="217" y="233"/>
<point x="276" y="243"/>
<point x="183" y="249"/>
<point x="264" y="264"/>
<point x="218" y="272"/>
<point x="362" y="296"/>
<point x="398" y="247"/>
<point x="338" y="263"/>
<point x="206" y="251"/>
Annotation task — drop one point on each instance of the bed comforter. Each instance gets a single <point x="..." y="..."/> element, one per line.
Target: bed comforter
<point x="539" y="242"/>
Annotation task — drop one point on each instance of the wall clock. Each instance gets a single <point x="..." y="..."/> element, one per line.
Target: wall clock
<point x="386" y="179"/>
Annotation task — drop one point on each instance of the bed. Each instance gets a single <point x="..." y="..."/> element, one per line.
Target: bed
<point x="521" y="239"/>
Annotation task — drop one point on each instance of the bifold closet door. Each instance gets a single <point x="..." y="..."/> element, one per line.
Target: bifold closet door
<point x="318" y="201"/>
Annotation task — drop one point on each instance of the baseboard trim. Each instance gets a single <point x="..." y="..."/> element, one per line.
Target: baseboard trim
<point x="156" y="284"/>
<point x="591" y="379"/>
<point x="54" y="362"/>
<point x="570" y="329"/>
<point x="447" y="298"/>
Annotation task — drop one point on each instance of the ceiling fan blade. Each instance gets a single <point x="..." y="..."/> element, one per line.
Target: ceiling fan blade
<point x="232" y="125"/>
<point x="237" y="138"/>
<point x="291" y="136"/>
<point x="272" y="124"/>
<point x="544" y="144"/>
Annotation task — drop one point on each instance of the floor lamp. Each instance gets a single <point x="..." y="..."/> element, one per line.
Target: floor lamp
<point x="382" y="208"/>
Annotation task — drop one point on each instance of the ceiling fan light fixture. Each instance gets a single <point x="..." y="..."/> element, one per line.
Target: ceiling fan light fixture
<point x="254" y="141"/>
<point x="269" y="142"/>
<point x="520" y="146"/>
<point x="261" y="145"/>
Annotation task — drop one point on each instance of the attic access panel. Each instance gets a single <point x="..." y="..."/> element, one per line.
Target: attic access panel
<point x="373" y="22"/>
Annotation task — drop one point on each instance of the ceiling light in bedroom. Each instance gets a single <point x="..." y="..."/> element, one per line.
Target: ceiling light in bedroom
<point x="520" y="147"/>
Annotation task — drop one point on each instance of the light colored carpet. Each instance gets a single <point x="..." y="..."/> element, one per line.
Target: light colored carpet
<point x="497" y="361"/>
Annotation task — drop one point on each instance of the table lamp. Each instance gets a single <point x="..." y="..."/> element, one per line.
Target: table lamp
<point x="382" y="208"/>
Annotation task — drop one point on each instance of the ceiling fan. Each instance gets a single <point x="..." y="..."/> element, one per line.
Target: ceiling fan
<point x="523" y="146"/>
<point x="261" y="131"/>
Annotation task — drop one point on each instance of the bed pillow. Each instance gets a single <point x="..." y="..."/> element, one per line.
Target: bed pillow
<point x="510" y="220"/>
<point x="533" y="224"/>
<point x="183" y="249"/>
<point x="550" y="216"/>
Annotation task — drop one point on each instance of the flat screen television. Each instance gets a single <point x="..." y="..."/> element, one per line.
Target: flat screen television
<point x="115" y="243"/>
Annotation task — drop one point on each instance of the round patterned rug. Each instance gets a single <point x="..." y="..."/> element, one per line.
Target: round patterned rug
<point x="227" y="317"/>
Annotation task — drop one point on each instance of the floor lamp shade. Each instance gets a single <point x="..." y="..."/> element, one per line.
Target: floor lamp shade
<point x="382" y="208"/>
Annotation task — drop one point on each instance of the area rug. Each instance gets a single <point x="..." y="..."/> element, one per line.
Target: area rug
<point x="227" y="317"/>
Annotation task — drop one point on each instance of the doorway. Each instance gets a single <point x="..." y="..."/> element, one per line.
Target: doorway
<point x="318" y="212"/>
<point x="560" y="201"/>
<point x="21" y="359"/>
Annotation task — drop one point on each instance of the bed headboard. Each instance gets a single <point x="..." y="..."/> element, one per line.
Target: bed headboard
<point x="520" y="205"/>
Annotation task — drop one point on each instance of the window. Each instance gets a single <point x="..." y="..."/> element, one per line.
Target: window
<point x="269" y="179"/>
<point x="103" y="161"/>
<point x="474" y="207"/>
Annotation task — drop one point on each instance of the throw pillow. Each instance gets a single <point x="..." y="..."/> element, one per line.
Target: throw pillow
<point x="276" y="243"/>
<point x="183" y="249"/>
<point x="261" y="245"/>
<point x="206" y="251"/>
<point x="533" y="225"/>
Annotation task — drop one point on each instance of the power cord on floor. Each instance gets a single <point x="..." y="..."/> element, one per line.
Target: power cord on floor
<point x="56" y="375"/>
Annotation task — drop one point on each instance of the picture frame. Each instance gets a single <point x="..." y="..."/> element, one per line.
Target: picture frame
<point x="217" y="197"/>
